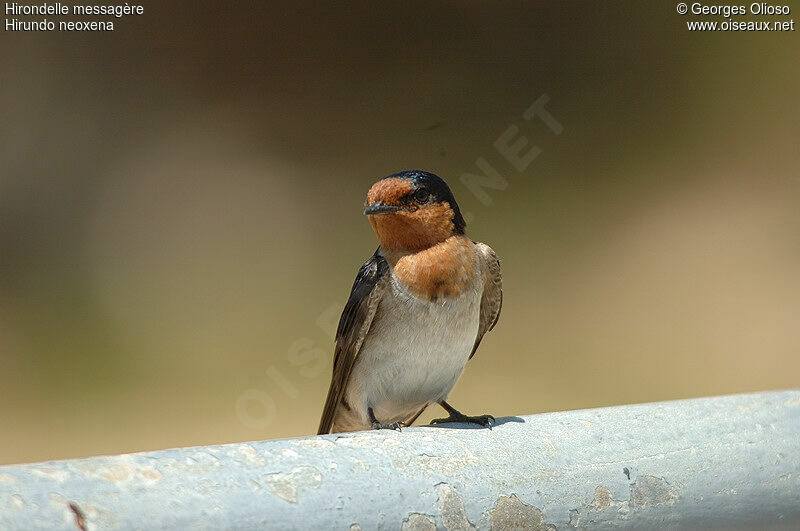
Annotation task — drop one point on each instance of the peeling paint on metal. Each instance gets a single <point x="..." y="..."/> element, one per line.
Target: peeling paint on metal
<point x="434" y="464"/>
<point x="117" y="473"/>
<point x="251" y="456"/>
<point x="316" y="444"/>
<point x="512" y="513"/>
<point x="602" y="499"/>
<point x="652" y="491"/>
<point x="124" y="473"/>
<point x="574" y="518"/>
<point x="286" y="486"/>
<point x="122" y="470"/>
<point x="451" y="507"/>
<point x="419" y="522"/>
<point x="357" y="441"/>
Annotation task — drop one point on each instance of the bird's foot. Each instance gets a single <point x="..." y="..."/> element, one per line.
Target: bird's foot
<point x="393" y="426"/>
<point x="487" y="421"/>
<point x="377" y="425"/>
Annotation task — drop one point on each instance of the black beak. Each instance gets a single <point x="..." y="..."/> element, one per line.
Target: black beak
<point x="380" y="208"/>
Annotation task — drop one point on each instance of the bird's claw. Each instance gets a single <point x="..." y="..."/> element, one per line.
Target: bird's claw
<point x="487" y="421"/>
<point x="393" y="426"/>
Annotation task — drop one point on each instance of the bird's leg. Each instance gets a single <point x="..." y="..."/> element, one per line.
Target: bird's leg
<point x="457" y="416"/>
<point x="379" y="426"/>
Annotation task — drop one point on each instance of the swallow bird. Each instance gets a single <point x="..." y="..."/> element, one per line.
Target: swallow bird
<point x="417" y="312"/>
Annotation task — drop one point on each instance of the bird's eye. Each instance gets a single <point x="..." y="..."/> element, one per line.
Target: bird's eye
<point x="421" y="195"/>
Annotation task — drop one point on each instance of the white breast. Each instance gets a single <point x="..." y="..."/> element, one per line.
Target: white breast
<point x="414" y="353"/>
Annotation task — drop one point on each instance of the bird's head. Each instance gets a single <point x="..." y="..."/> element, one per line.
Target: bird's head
<point x="412" y="210"/>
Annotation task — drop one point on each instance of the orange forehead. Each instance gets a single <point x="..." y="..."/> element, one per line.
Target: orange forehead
<point x="389" y="190"/>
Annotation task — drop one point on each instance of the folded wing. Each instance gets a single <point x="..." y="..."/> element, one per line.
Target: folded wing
<point x="492" y="299"/>
<point x="354" y="324"/>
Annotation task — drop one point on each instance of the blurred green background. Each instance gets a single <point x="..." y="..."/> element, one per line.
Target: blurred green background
<point x="180" y="209"/>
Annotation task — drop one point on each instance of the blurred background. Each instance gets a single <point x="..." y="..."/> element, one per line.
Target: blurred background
<point x="180" y="209"/>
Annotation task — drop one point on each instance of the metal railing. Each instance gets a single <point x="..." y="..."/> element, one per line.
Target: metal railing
<point x="726" y="462"/>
